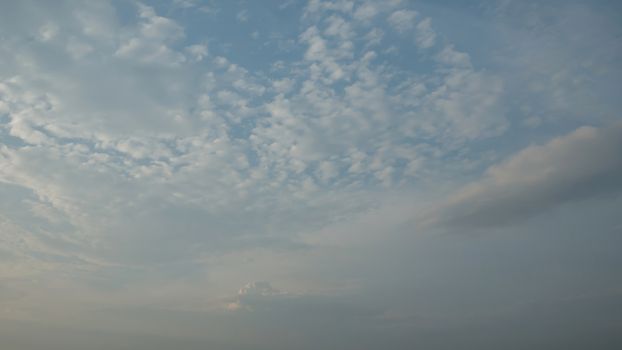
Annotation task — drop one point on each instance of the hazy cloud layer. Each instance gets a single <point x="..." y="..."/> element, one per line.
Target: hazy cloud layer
<point x="246" y="175"/>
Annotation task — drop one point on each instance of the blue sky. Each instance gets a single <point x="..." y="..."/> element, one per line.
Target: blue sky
<point x="302" y="175"/>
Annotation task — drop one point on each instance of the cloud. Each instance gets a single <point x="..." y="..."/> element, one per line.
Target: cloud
<point x="138" y="166"/>
<point x="365" y="12"/>
<point x="242" y="16"/>
<point x="564" y="73"/>
<point x="449" y="56"/>
<point x="374" y="37"/>
<point x="425" y="36"/>
<point x="188" y="140"/>
<point x="337" y="26"/>
<point x="252" y="293"/>
<point x="583" y="164"/>
<point x="303" y="313"/>
<point x="198" y="51"/>
<point x="315" y="7"/>
<point x="261" y="288"/>
<point x="402" y="20"/>
<point x="150" y="43"/>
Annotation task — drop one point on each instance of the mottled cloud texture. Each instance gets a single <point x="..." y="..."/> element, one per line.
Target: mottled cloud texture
<point x="310" y="175"/>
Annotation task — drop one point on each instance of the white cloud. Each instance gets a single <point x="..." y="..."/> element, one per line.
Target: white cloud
<point x="149" y="52"/>
<point x="158" y="27"/>
<point x="337" y="26"/>
<point x="48" y="32"/>
<point x="261" y="288"/>
<point x="402" y="20"/>
<point x="185" y="3"/>
<point x="150" y="43"/>
<point x="327" y="170"/>
<point x="242" y="16"/>
<point x="20" y="128"/>
<point x="450" y="56"/>
<point x="198" y="51"/>
<point x="374" y="37"/>
<point x="183" y="140"/>
<point x="317" y="6"/>
<point x="365" y="12"/>
<point x="425" y="36"/>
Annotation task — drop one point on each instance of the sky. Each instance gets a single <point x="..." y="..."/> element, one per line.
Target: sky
<point x="342" y="174"/>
